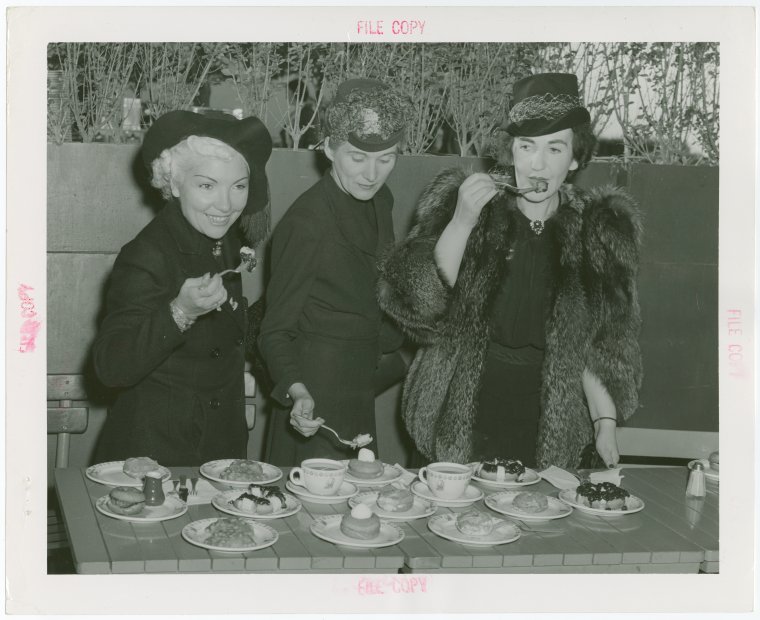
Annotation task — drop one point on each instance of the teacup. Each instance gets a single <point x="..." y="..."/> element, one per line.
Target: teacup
<point x="319" y="476"/>
<point x="446" y="480"/>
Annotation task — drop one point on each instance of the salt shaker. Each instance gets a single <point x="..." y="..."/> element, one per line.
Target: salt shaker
<point x="696" y="485"/>
<point x="153" y="489"/>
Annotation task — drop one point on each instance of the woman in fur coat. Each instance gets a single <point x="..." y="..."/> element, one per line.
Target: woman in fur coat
<point x="522" y="295"/>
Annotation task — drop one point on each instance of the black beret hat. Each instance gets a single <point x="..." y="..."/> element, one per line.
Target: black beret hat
<point x="249" y="137"/>
<point x="546" y="103"/>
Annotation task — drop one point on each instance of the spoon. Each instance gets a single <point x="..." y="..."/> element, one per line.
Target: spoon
<point x="540" y="186"/>
<point x="247" y="261"/>
<point x="357" y="442"/>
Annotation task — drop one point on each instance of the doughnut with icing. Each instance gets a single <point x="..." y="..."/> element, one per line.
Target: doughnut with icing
<point x="395" y="500"/>
<point x="360" y="523"/>
<point x="530" y="502"/>
<point x="501" y="470"/>
<point x="603" y="495"/>
<point x="474" y="523"/>
<point x="261" y="500"/>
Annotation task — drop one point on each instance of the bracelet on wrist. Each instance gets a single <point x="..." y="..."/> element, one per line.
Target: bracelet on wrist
<point x="182" y="321"/>
<point x="605" y="417"/>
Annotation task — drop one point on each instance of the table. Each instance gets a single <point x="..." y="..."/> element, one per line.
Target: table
<point x="672" y="534"/>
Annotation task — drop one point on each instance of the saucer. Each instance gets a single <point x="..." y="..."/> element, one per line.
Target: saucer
<point x="328" y="528"/>
<point x="420" y="508"/>
<point x="112" y="474"/>
<point x="471" y="495"/>
<point x="445" y="526"/>
<point x="223" y="502"/>
<point x="264" y="536"/>
<point x="172" y="508"/>
<point x="633" y="504"/>
<point x="345" y="491"/>
<point x="503" y="502"/>
<point x="213" y="470"/>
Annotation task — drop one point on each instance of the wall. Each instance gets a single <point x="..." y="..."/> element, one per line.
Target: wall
<point x="98" y="199"/>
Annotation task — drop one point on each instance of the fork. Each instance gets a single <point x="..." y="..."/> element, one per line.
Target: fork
<point x="194" y="484"/>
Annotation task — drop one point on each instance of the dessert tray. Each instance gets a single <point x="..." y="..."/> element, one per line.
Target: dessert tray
<point x="445" y="526"/>
<point x="112" y="474"/>
<point x="503" y="503"/>
<point x="328" y="528"/>
<point x="345" y="491"/>
<point x="194" y="533"/>
<point x="633" y="504"/>
<point x="222" y="502"/>
<point x="213" y="469"/>
<point x="530" y="477"/>
<point x="390" y="474"/>
<point x="172" y="508"/>
<point x="471" y="495"/>
<point x="421" y="508"/>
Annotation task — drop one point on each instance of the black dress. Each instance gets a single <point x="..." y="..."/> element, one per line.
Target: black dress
<point x="322" y="323"/>
<point x="509" y="405"/>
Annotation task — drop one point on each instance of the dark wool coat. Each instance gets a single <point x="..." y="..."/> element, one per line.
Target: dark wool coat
<point x="182" y="398"/>
<point x="594" y="318"/>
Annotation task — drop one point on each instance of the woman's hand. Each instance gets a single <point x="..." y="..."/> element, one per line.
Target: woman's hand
<point x="302" y="413"/>
<point x="201" y="295"/>
<point x="474" y="194"/>
<point x="606" y="442"/>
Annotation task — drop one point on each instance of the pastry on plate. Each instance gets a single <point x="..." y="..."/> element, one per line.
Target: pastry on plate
<point x="242" y="470"/>
<point x="230" y="532"/>
<point x="138" y="466"/>
<point x="261" y="500"/>
<point x="126" y="500"/>
<point x="501" y="470"/>
<point x="360" y="523"/>
<point x="392" y="499"/>
<point x="714" y="461"/>
<point x="474" y="523"/>
<point x="603" y="495"/>
<point x="365" y="465"/>
<point x="530" y="502"/>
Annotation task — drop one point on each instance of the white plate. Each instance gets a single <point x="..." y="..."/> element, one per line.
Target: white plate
<point x="345" y="491"/>
<point x="711" y="474"/>
<point x="445" y="526"/>
<point x="172" y="508"/>
<point x="222" y="502"/>
<point x="390" y="474"/>
<point x="502" y="502"/>
<point x="420" y="508"/>
<point x="112" y="474"/>
<point x="634" y="505"/>
<point x="530" y="477"/>
<point x="471" y="495"/>
<point x="212" y="469"/>
<point x="195" y="534"/>
<point x="328" y="528"/>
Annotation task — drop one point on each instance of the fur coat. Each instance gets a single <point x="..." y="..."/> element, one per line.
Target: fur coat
<point x="593" y="323"/>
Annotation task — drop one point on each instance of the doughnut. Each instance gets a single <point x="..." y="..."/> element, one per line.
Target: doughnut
<point x="531" y="502"/>
<point x="126" y="500"/>
<point x="474" y="523"/>
<point x="714" y="461"/>
<point x="260" y="500"/>
<point x="365" y="465"/>
<point x="138" y="466"/>
<point x="603" y="495"/>
<point x="395" y="500"/>
<point x="501" y="470"/>
<point x="360" y="523"/>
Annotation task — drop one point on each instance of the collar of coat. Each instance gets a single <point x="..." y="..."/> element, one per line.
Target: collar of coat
<point x="187" y="238"/>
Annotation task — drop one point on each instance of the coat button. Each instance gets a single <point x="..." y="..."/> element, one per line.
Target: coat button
<point x="215" y="353"/>
<point x="214" y="403"/>
<point x="240" y="342"/>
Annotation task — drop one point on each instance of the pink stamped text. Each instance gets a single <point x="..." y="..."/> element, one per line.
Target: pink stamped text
<point x="398" y="27"/>
<point x="735" y="349"/>
<point x="396" y="584"/>
<point x="29" y="327"/>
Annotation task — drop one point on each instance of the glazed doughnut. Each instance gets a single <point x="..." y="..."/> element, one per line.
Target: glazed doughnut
<point x="360" y="523"/>
<point x="126" y="500"/>
<point x="138" y="466"/>
<point x="531" y="502"/>
<point x="501" y="470"/>
<point x="474" y="523"/>
<point x="365" y="465"/>
<point x="395" y="500"/>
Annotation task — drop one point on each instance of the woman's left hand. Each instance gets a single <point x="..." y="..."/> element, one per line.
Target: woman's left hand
<point x="606" y="443"/>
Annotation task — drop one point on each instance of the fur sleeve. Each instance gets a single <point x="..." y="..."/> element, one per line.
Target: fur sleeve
<point x="611" y="235"/>
<point x="411" y="288"/>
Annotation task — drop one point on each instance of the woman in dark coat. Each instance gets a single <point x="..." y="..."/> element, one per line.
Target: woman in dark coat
<point x="173" y="336"/>
<point x="322" y="333"/>
<point x="524" y="301"/>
